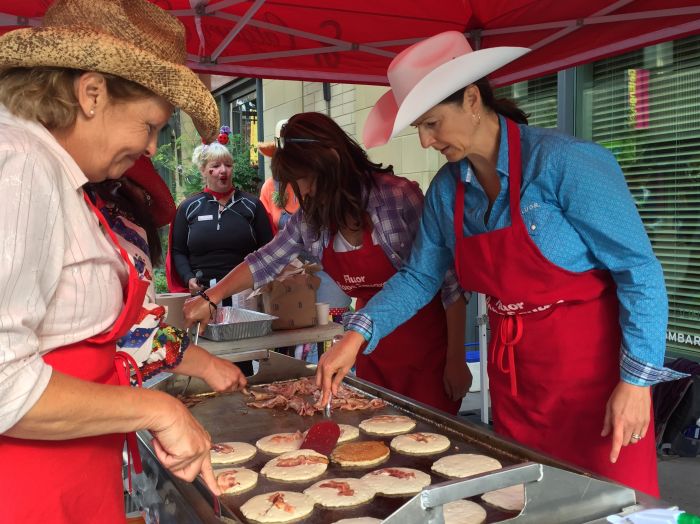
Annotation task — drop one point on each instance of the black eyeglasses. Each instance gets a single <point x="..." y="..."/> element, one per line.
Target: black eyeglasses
<point x="280" y="141"/>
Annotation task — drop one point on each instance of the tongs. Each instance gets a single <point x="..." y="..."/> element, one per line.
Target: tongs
<point x="195" y="338"/>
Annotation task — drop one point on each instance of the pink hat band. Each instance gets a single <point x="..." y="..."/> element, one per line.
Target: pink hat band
<point x="426" y="73"/>
<point x="414" y="63"/>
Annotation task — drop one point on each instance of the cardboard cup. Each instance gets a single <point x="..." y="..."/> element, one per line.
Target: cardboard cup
<point x="322" y="313"/>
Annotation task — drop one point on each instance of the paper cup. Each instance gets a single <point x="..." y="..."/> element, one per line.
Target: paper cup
<point x="322" y="313"/>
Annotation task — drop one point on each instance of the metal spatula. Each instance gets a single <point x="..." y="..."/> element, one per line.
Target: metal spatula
<point x="322" y="437"/>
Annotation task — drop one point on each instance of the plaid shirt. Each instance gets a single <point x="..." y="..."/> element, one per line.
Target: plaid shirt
<point x="394" y="205"/>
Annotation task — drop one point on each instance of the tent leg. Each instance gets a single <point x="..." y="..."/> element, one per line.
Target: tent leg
<point x="482" y="320"/>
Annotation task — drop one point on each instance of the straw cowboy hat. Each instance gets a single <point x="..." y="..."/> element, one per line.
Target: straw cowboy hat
<point x="132" y="39"/>
<point x="162" y="206"/>
<point x="423" y="75"/>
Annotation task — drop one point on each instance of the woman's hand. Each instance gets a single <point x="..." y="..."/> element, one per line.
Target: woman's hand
<point x="197" y="309"/>
<point x="222" y="376"/>
<point x="335" y="364"/>
<point x="457" y="379"/>
<point x="193" y="285"/>
<point x="626" y="414"/>
<point x="182" y="445"/>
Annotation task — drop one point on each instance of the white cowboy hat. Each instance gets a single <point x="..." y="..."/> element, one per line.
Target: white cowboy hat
<point x="423" y="75"/>
<point x="134" y="39"/>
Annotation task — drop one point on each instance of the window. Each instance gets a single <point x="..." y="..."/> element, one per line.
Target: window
<point x="643" y="106"/>
<point x="537" y="97"/>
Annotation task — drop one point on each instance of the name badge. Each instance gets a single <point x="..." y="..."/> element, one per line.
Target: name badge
<point x="202" y="218"/>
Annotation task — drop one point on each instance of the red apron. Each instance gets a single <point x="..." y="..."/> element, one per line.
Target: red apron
<point x="555" y="344"/>
<point x="78" y="480"/>
<point x="411" y="359"/>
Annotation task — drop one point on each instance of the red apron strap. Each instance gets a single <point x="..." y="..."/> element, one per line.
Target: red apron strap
<point x="514" y="171"/>
<point x="105" y="226"/>
<point x="124" y="363"/>
<point x="505" y="338"/>
<point x="459" y="210"/>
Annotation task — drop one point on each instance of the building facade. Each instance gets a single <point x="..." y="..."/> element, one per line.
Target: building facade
<point x="641" y="105"/>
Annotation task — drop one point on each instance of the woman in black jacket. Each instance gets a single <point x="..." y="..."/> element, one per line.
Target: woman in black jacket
<point x="216" y="228"/>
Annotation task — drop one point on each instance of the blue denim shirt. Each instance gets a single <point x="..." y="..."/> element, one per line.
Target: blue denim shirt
<point x="579" y="212"/>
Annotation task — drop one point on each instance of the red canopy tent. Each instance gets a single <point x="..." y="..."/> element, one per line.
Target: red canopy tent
<point x="353" y="41"/>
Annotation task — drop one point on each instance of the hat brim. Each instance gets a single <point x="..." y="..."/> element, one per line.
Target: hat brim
<point x="386" y="119"/>
<point x="88" y="50"/>
<point x="163" y="205"/>
<point x="267" y="148"/>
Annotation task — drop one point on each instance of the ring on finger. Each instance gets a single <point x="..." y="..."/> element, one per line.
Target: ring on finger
<point x="636" y="437"/>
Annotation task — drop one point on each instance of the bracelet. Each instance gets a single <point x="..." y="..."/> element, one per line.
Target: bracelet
<point x="203" y="294"/>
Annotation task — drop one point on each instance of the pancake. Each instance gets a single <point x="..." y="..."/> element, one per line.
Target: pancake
<point x="235" y="480"/>
<point x="280" y="442"/>
<point x="296" y="466"/>
<point x="348" y="432"/>
<point x="397" y="481"/>
<point x="420" y="443"/>
<point x="511" y="498"/>
<point x="387" y="425"/>
<point x="360" y="454"/>
<point x="340" y="492"/>
<point x="278" y="506"/>
<point x="231" y="452"/>
<point x="463" y="512"/>
<point x="464" y="465"/>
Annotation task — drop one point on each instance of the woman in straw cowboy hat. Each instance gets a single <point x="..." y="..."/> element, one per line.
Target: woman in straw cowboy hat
<point x="359" y="220"/>
<point x="544" y="225"/>
<point x="81" y="99"/>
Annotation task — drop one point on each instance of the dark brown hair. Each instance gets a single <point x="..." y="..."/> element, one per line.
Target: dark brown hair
<point x="343" y="173"/>
<point x="502" y="106"/>
<point x="119" y="194"/>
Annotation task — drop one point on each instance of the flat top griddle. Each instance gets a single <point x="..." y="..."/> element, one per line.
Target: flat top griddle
<point x="569" y="494"/>
<point x="227" y="418"/>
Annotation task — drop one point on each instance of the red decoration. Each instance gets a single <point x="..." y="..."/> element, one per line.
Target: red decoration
<point x="223" y="139"/>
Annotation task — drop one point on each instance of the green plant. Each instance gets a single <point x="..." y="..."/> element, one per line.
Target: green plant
<point x="159" y="280"/>
<point x="166" y="158"/>
<point x="245" y="174"/>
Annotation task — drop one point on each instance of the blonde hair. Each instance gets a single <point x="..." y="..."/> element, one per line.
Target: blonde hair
<point x="47" y="94"/>
<point x="214" y="152"/>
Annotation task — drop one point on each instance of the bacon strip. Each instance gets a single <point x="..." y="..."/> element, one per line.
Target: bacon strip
<point x="344" y="489"/>
<point x="421" y="437"/>
<point x="289" y="395"/>
<point x="396" y="473"/>
<point x="387" y="418"/>
<point x="298" y="435"/>
<point x="353" y="404"/>
<point x="300" y="460"/>
<point x="227" y="480"/>
<point x="277" y="501"/>
<point x="274" y="402"/>
<point x="222" y="448"/>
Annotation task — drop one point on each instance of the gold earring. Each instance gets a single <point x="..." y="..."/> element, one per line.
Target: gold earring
<point x="477" y="118"/>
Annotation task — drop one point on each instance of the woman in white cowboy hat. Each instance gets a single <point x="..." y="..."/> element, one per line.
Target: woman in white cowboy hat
<point x="81" y="99"/>
<point x="544" y="225"/>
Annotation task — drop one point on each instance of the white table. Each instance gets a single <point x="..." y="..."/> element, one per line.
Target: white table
<point x="276" y="339"/>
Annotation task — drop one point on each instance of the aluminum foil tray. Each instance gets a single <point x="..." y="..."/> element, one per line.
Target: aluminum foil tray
<point x="238" y="323"/>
